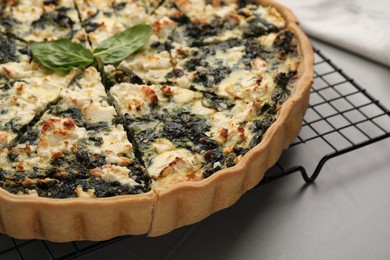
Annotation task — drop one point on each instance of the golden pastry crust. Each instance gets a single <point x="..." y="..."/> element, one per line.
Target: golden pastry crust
<point x="61" y="220"/>
<point x="160" y="211"/>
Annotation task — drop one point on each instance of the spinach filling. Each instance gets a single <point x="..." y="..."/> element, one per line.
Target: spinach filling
<point x="216" y="102"/>
<point x="119" y="7"/>
<point x="72" y="112"/>
<point x="8" y="50"/>
<point x="207" y="73"/>
<point x="197" y="32"/>
<point x="258" y="27"/>
<point x="283" y="42"/>
<point x="268" y="112"/>
<point x="212" y="76"/>
<point x="79" y="119"/>
<point x="120" y="76"/>
<point x="282" y="81"/>
<point x="89" y="25"/>
<point x="66" y="175"/>
<point x="183" y="129"/>
<point x="58" y="19"/>
<point x="51" y="2"/>
<point x="162" y="46"/>
<point x="8" y="22"/>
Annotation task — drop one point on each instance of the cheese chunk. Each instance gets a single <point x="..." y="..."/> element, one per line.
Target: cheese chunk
<point x="175" y="166"/>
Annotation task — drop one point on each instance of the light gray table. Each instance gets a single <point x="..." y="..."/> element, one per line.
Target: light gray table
<point x="344" y="215"/>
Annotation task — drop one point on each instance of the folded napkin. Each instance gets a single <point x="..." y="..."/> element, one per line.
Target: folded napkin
<point x="359" y="26"/>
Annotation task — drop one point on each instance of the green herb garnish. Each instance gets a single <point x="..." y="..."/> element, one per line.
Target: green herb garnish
<point x="63" y="54"/>
<point x="121" y="45"/>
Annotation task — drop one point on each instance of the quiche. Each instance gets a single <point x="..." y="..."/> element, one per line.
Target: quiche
<point x="159" y="140"/>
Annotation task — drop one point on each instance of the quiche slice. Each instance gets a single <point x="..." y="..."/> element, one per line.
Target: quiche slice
<point x="26" y="89"/>
<point x="180" y="130"/>
<point x="237" y="69"/>
<point x="76" y="149"/>
<point x="168" y="126"/>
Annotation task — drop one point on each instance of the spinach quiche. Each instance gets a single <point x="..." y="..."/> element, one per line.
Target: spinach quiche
<point x="156" y="140"/>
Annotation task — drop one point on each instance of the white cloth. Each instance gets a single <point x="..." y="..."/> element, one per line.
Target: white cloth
<point x="360" y="26"/>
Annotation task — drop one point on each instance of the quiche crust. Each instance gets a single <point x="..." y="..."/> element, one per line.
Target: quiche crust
<point x="62" y="220"/>
<point x="159" y="211"/>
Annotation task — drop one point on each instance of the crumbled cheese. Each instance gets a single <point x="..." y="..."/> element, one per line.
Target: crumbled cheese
<point x="120" y="174"/>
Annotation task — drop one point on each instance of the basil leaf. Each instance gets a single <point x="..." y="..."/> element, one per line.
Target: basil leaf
<point x="61" y="54"/>
<point x="121" y="45"/>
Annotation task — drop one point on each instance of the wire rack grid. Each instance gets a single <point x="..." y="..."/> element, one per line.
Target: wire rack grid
<point x="341" y="114"/>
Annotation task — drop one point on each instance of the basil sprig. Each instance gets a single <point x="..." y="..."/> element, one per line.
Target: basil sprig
<point x="123" y="44"/>
<point x="63" y="54"/>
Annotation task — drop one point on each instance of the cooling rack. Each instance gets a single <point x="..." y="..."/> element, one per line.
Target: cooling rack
<point x="341" y="115"/>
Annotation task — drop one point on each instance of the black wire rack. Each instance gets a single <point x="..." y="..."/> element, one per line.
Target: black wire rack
<point x="341" y="115"/>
